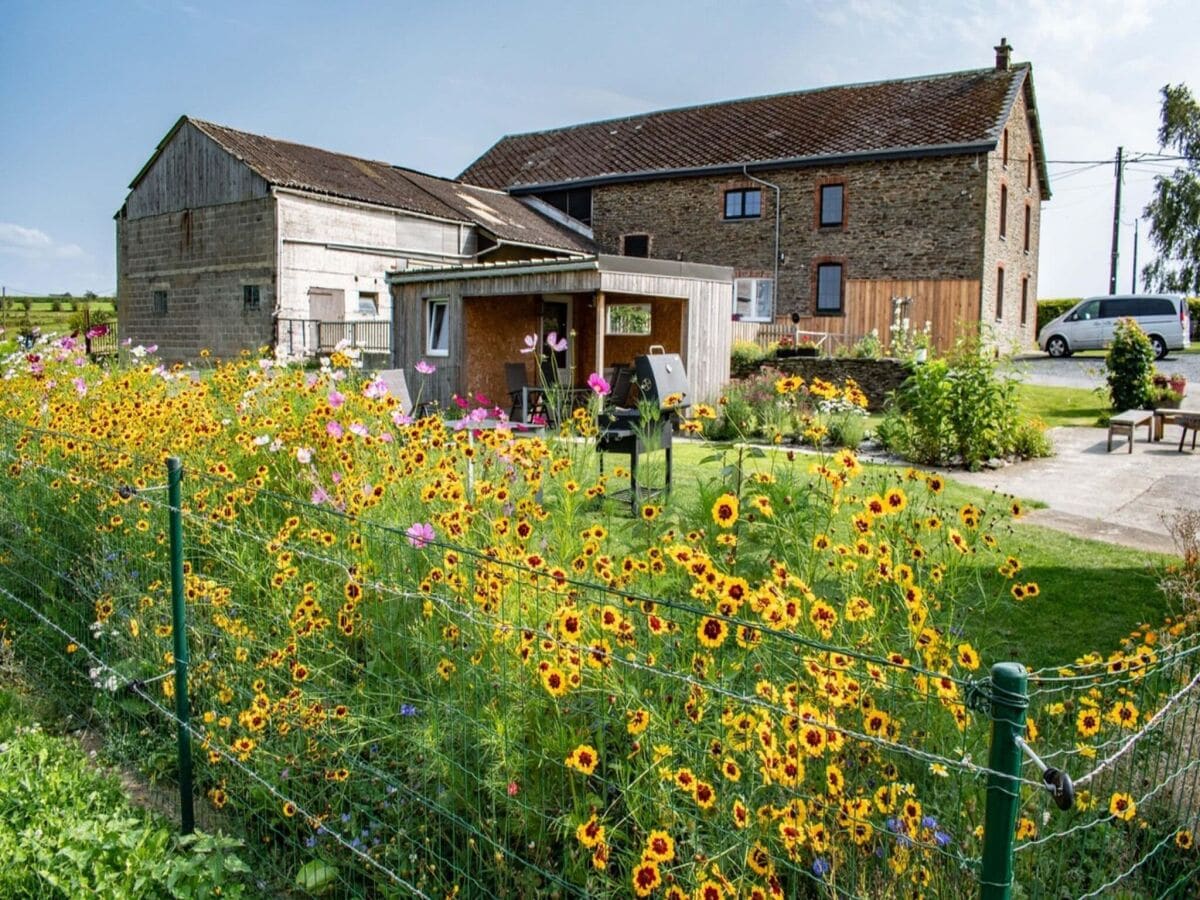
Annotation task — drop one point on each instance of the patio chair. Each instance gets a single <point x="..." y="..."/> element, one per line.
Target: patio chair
<point x="517" y="383"/>
<point x="620" y="384"/>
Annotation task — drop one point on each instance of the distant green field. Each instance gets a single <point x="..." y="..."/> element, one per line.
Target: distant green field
<point x="52" y="313"/>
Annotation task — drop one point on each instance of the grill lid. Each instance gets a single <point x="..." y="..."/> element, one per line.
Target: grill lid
<point x="660" y="375"/>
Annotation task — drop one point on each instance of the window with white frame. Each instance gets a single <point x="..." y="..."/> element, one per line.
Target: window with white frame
<point x="368" y="303"/>
<point x="754" y="299"/>
<point x="437" y="329"/>
<point x="628" y="319"/>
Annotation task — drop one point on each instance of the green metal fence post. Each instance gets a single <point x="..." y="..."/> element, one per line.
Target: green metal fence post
<point x="179" y="633"/>
<point x="1008" y="701"/>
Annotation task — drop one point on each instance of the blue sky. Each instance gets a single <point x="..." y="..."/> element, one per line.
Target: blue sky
<point x="88" y="89"/>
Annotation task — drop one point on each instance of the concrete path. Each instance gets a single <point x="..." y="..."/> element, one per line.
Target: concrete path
<point x="1118" y="497"/>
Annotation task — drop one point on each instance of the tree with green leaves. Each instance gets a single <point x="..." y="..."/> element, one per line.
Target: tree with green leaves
<point x="1174" y="211"/>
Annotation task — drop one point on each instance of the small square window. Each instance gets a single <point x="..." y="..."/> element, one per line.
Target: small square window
<point x="437" y="330"/>
<point x="754" y="299"/>
<point x="251" y="298"/>
<point x="160" y="303"/>
<point x="829" y="289"/>
<point x="636" y="245"/>
<point x="628" y="319"/>
<point x="368" y="303"/>
<point x="745" y="203"/>
<point x="832" y="196"/>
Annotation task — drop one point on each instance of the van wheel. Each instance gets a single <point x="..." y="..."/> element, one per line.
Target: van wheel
<point x="1057" y="347"/>
<point x="1159" y="345"/>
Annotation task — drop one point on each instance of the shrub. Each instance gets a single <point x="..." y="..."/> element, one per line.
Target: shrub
<point x="745" y="355"/>
<point x="1052" y="309"/>
<point x="958" y="406"/>
<point x="1130" y="367"/>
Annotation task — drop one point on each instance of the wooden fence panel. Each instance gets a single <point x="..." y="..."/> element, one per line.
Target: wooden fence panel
<point x="951" y="307"/>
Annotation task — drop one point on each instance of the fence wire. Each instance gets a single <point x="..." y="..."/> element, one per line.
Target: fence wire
<point x="484" y="699"/>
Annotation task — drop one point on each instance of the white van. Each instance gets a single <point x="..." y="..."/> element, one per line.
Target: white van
<point x="1089" y="324"/>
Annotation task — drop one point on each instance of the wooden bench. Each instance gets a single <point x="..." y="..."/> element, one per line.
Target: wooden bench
<point x="1126" y="422"/>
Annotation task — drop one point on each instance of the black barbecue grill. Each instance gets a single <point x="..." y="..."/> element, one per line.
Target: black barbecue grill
<point x="661" y="386"/>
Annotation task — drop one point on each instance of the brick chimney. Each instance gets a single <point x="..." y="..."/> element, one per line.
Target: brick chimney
<point x="1003" y="55"/>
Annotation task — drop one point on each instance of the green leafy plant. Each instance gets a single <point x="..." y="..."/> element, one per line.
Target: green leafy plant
<point x="1130" y="367"/>
<point x="67" y="830"/>
<point x="745" y="356"/>
<point x="958" y="406"/>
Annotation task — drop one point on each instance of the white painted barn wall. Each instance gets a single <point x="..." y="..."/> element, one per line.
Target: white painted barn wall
<point x="341" y="245"/>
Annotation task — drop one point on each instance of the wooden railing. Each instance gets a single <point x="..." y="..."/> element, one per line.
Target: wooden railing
<point x="306" y="337"/>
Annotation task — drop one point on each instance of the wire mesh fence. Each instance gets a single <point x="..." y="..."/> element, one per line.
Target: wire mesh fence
<point x="500" y="685"/>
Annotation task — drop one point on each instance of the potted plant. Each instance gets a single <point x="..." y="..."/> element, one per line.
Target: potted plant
<point x="1178" y="382"/>
<point x="786" y="348"/>
<point x="807" y="347"/>
<point x="1165" y="398"/>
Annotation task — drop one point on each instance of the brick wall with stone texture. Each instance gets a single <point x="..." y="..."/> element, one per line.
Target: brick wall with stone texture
<point x="1017" y="181"/>
<point x="202" y="258"/>
<point x="903" y="219"/>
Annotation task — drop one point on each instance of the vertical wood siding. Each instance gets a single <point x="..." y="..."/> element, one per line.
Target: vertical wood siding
<point x="951" y="306"/>
<point x="193" y="171"/>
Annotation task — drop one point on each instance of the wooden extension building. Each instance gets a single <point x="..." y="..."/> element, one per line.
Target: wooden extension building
<point x="471" y="321"/>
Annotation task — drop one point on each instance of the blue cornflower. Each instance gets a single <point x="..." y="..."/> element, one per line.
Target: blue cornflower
<point x="821" y="867"/>
<point x="407" y="709"/>
<point x="942" y="839"/>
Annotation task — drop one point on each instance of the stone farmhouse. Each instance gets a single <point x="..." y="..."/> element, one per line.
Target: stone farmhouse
<point x="230" y="241"/>
<point x="843" y="209"/>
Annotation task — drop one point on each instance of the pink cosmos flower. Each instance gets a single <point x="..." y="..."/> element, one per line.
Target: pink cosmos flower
<point x="425" y="368"/>
<point x="97" y="331"/>
<point x="530" y="344"/>
<point x="319" y="496"/>
<point x="333" y="429"/>
<point x="375" y="390"/>
<point x="360" y="429"/>
<point x="80" y="386"/>
<point x="597" y="383"/>
<point x="336" y="399"/>
<point x="420" y="534"/>
<point x="304" y="455"/>
<point x="554" y="343"/>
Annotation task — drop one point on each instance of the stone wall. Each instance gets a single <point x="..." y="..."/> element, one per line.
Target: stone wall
<point x="202" y="258"/>
<point x="876" y="377"/>
<point x="1017" y="181"/>
<point x="903" y="219"/>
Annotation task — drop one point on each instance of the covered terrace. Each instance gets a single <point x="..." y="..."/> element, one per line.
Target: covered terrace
<point x="470" y="322"/>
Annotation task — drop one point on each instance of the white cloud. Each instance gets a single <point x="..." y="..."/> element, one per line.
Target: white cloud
<point x="35" y="244"/>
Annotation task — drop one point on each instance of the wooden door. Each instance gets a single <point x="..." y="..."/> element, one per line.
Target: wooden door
<point x="327" y="305"/>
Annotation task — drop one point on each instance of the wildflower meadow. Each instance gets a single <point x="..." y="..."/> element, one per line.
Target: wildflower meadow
<point x="437" y="656"/>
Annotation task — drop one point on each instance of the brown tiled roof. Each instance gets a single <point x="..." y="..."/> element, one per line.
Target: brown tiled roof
<point x="311" y="169"/>
<point x="912" y="116"/>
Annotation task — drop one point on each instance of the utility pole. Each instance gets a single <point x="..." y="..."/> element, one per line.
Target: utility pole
<point x="1112" y="270"/>
<point x="1133" y="280"/>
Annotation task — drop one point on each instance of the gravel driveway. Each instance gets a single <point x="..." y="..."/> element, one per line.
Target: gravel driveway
<point x="1087" y="370"/>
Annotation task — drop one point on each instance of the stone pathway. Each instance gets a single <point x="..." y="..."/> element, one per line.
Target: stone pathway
<point x="1118" y="497"/>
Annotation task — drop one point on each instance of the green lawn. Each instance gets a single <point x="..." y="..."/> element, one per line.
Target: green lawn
<point x="1092" y="594"/>
<point x="1058" y="406"/>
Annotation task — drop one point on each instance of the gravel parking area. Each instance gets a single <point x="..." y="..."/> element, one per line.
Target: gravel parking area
<point x="1087" y="370"/>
